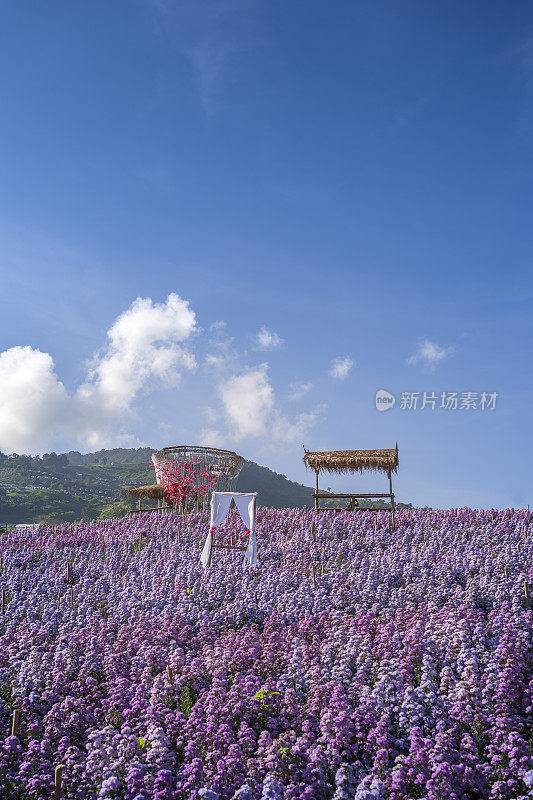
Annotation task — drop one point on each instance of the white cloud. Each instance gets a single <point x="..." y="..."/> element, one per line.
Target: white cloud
<point x="218" y="327"/>
<point x="341" y="367"/>
<point x="299" y="389"/>
<point x="250" y="410"/>
<point x="33" y="401"/>
<point x="290" y="431"/>
<point x="429" y="354"/>
<point x="215" y="362"/>
<point x="145" y="345"/>
<point x="268" y="340"/>
<point x="248" y="401"/>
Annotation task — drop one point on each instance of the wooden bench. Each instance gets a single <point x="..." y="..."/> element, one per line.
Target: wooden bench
<point x="355" y="496"/>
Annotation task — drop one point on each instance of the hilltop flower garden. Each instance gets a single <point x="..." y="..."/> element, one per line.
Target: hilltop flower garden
<point x="350" y="662"/>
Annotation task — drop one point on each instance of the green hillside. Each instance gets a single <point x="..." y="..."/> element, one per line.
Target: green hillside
<point x="72" y="486"/>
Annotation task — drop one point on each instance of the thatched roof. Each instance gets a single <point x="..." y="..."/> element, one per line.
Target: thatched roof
<point x="155" y="492"/>
<point x="353" y="460"/>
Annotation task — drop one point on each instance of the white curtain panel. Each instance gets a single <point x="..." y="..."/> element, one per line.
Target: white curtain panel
<point x="246" y="507"/>
<point x="220" y="505"/>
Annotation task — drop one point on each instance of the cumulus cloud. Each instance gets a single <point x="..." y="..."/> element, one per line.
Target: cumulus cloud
<point x="144" y="343"/>
<point x="429" y="354"/>
<point x="341" y="367"/>
<point x="299" y="389"/>
<point x="248" y="401"/>
<point x="250" y="410"/>
<point x="268" y="340"/>
<point x="33" y="401"/>
<point x="145" y="347"/>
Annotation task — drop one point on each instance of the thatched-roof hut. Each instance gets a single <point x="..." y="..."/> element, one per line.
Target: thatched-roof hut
<point x="343" y="461"/>
<point x="155" y="492"/>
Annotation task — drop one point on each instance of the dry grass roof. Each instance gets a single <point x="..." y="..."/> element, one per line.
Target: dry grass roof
<point x="155" y="492"/>
<point x="353" y="460"/>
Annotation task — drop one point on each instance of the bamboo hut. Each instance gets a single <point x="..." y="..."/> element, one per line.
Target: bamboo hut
<point x="154" y="492"/>
<point x="348" y="461"/>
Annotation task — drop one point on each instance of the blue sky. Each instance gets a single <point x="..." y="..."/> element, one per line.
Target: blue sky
<point x="324" y="183"/>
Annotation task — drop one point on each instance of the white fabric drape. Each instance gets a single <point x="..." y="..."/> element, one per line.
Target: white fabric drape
<point x="246" y="507"/>
<point x="220" y="505"/>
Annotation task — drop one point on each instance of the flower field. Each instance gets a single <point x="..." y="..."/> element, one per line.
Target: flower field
<point x="350" y="662"/>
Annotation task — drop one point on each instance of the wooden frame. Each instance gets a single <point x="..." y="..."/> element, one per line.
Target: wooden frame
<point x="355" y="496"/>
<point x="354" y="461"/>
<point x="232" y="546"/>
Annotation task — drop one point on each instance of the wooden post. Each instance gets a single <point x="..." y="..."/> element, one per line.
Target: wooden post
<point x="15" y="723"/>
<point x="4" y="601"/>
<point x="313" y="532"/>
<point x="506" y="572"/>
<point x="58" y="775"/>
<point x="170" y="674"/>
<point x="58" y="598"/>
<point x="71" y="597"/>
<point x="316" y="492"/>
<point x="314" y="575"/>
<point x="68" y="573"/>
<point x="391" y="500"/>
<point x="140" y="502"/>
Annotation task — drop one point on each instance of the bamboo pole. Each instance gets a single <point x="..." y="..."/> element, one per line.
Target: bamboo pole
<point x="15" y="722"/>
<point x="314" y="575"/>
<point x="392" y="507"/>
<point x="58" y="598"/>
<point x="58" y="776"/>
